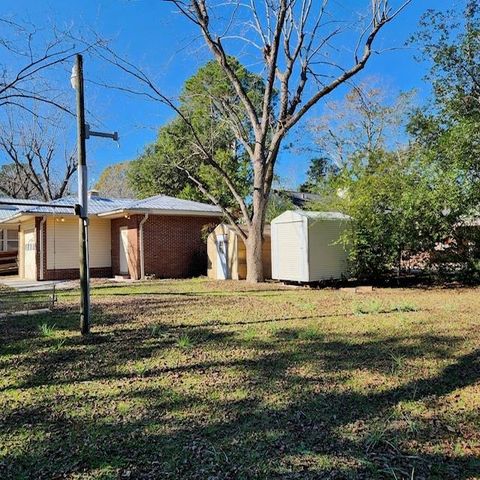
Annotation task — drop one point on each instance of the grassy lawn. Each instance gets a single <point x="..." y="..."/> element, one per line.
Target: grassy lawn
<point x="202" y="380"/>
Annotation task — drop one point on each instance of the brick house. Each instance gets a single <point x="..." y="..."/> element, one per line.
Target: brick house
<point x="159" y="236"/>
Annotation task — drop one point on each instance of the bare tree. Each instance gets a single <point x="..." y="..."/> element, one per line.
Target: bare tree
<point x="28" y="54"/>
<point x="31" y="107"/>
<point x="14" y="182"/>
<point x="33" y="156"/>
<point x="366" y="120"/>
<point x="113" y="182"/>
<point x="294" y="43"/>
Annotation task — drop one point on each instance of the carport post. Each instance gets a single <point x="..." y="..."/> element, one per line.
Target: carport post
<point x="77" y="84"/>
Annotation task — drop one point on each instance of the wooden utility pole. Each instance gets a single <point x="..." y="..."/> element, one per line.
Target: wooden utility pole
<point x="77" y="83"/>
<point x="83" y="133"/>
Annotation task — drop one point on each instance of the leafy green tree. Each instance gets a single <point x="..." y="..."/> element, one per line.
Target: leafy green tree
<point x="174" y="165"/>
<point x="449" y="131"/>
<point x="405" y="206"/>
<point x="403" y="198"/>
<point x="450" y="41"/>
<point x="318" y="173"/>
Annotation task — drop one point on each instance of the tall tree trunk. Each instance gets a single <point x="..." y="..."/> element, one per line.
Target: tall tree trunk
<point x="254" y="243"/>
<point x="254" y="247"/>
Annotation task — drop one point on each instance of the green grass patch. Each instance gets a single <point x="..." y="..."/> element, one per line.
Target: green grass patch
<point x="195" y="379"/>
<point x="47" y="330"/>
<point x="372" y="306"/>
<point x="184" y="341"/>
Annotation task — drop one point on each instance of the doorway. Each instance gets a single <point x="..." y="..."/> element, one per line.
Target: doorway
<point x="222" y="265"/>
<point x="30" y="255"/>
<point x="124" y="250"/>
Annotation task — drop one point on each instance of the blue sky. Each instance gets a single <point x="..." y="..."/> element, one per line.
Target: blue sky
<point x="153" y="36"/>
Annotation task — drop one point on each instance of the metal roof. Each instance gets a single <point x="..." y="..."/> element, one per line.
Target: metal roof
<point x="101" y="205"/>
<point x="6" y="212"/>
<point x="96" y="205"/>
<point x="10" y="206"/>
<point x="20" y="201"/>
<point x="299" y="199"/>
<point x="162" y="202"/>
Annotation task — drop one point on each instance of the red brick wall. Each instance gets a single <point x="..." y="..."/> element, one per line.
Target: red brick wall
<point x="74" y="273"/>
<point x="173" y="245"/>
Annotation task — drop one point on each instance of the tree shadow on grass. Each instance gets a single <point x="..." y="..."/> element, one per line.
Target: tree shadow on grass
<point x="244" y="439"/>
<point x="157" y="431"/>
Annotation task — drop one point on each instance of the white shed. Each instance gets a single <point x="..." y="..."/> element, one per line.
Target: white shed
<point x="305" y="246"/>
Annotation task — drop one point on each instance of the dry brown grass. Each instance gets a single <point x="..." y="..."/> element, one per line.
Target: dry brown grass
<point x="222" y="380"/>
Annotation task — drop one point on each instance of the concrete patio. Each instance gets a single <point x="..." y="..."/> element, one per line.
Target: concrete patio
<point x="22" y="285"/>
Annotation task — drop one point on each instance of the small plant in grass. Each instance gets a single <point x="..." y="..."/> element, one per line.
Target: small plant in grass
<point x="58" y="345"/>
<point x="374" y="306"/>
<point x="184" y="341"/>
<point x="140" y="369"/>
<point x="377" y="435"/>
<point x="249" y="334"/>
<point x="47" y="330"/>
<point x="309" y="333"/>
<point x="398" y="362"/>
<point x="124" y="407"/>
<point x="405" y="307"/>
<point x="156" y="330"/>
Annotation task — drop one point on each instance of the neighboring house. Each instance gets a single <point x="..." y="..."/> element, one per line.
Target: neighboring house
<point x="158" y="236"/>
<point x="298" y="199"/>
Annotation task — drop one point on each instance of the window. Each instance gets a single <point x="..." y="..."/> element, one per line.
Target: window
<point x="12" y="240"/>
<point x="8" y="240"/>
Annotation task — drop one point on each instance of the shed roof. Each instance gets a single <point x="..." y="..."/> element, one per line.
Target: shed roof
<point x="310" y="215"/>
<point x="323" y="215"/>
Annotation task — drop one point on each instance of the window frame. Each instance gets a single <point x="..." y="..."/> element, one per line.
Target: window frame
<point x="5" y="242"/>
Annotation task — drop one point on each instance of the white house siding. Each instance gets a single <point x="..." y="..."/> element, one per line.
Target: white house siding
<point x="328" y="258"/>
<point x="289" y="248"/>
<point x="62" y="243"/>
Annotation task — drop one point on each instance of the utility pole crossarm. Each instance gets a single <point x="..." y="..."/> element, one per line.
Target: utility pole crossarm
<point x="91" y="133"/>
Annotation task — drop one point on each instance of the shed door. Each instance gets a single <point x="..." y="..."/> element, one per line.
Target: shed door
<point x="124" y="250"/>
<point x="30" y="257"/>
<point x="222" y="266"/>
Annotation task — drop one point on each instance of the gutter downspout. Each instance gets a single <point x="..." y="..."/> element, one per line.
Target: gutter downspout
<point x="42" y="247"/>
<point x="142" y="252"/>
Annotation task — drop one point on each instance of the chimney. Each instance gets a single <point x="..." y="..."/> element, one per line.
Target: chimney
<point x="92" y="193"/>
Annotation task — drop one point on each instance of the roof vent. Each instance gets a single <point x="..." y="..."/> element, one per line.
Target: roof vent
<point x="93" y="193"/>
